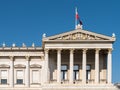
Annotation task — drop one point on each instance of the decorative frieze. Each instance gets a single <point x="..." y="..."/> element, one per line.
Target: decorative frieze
<point x="78" y="36"/>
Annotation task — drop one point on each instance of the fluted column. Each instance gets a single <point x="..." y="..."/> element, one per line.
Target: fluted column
<point x="27" y="71"/>
<point x="59" y="65"/>
<point x="46" y="65"/>
<point x="97" y="66"/>
<point x="11" y="71"/>
<point x="71" y="64"/>
<point x="109" y="64"/>
<point x="84" y="66"/>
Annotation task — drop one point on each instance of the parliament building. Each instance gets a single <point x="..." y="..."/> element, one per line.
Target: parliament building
<point x="74" y="60"/>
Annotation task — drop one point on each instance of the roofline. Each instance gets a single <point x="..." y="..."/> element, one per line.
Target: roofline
<point x="84" y="31"/>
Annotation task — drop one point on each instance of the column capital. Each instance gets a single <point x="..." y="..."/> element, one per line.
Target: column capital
<point x="110" y="50"/>
<point x="11" y="58"/>
<point x="97" y="50"/>
<point x="46" y="50"/>
<point x="27" y="58"/>
<point x="72" y="50"/>
<point x="84" y="50"/>
<point x="59" y="50"/>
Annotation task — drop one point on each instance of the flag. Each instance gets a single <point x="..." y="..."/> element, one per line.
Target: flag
<point x="80" y="22"/>
<point x="78" y="18"/>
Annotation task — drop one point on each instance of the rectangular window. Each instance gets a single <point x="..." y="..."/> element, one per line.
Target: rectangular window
<point x="64" y="72"/>
<point x="3" y="81"/>
<point x="19" y="81"/>
<point x="64" y="67"/>
<point x="35" y="76"/>
<point x="88" y="69"/>
<point x="76" y="72"/>
<point x="20" y="76"/>
<point x="4" y="75"/>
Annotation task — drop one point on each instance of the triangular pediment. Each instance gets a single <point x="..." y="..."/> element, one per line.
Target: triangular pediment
<point x="79" y="35"/>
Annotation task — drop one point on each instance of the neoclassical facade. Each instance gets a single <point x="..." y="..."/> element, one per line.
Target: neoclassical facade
<point x="76" y="59"/>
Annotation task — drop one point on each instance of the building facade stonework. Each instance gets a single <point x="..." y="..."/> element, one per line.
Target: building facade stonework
<point x="77" y="59"/>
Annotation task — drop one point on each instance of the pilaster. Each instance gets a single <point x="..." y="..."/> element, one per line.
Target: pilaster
<point x="27" y="71"/>
<point x="11" y="71"/>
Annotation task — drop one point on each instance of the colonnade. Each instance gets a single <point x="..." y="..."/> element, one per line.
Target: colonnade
<point x="84" y="62"/>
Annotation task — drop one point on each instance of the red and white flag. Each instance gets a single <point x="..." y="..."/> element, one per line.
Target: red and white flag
<point x="78" y="18"/>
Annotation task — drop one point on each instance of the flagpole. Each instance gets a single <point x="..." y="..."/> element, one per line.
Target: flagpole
<point x="75" y="18"/>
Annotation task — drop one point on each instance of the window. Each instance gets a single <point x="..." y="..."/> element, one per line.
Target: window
<point x="64" y="72"/>
<point x="4" y="75"/>
<point x="76" y="72"/>
<point x="88" y="68"/>
<point x="19" y="77"/>
<point x="19" y="81"/>
<point x="35" y="76"/>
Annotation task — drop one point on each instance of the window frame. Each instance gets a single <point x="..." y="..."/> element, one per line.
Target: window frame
<point x="23" y="78"/>
<point x="32" y="76"/>
<point x="75" y="72"/>
<point x="7" y="77"/>
<point x="64" y="72"/>
<point x="88" y="71"/>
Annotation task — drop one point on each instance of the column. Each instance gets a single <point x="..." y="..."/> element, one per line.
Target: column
<point x="109" y="68"/>
<point x="11" y="71"/>
<point x="59" y="66"/>
<point x="46" y="65"/>
<point x="27" y="71"/>
<point x="97" y="66"/>
<point x="71" y="65"/>
<point x="84" y="66"/>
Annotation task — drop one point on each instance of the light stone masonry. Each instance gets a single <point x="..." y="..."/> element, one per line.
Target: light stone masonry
<point x="74" y="60"/>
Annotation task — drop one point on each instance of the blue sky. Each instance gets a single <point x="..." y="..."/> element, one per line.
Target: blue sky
<point x="24" y="21"/>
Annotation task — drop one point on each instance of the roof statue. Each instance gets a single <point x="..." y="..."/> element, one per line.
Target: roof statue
<point x="3" y="45"/>
<point x="113" y="35"/>
<point x="44" y="35"/>
<point x="23" y="45"/>
<point x="13" y="45"/>
<point x="79" y="26"/>
<point x="33" y="44"/>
